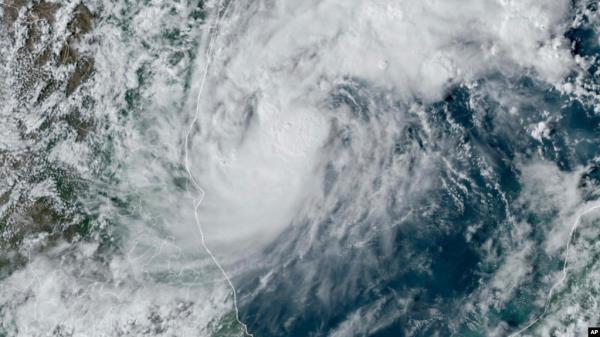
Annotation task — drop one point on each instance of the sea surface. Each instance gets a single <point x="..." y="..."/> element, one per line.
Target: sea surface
<point x="296" y="168"/>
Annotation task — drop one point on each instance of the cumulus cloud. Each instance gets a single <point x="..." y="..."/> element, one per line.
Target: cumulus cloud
<point x="264" y="122"/>
<point x="313" y="130"/>
<point x="69" y="292"/>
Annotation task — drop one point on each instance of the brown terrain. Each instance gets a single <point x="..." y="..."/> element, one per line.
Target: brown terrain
<point x="35" y="63"/>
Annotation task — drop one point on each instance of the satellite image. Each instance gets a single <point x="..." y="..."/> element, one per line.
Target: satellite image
<point x="299" y="168"/>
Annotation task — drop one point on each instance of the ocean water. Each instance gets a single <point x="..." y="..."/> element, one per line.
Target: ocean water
<point x="299" y="168"/>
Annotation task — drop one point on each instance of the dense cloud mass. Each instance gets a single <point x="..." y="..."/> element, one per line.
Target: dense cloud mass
<point x="299" y="168"/>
